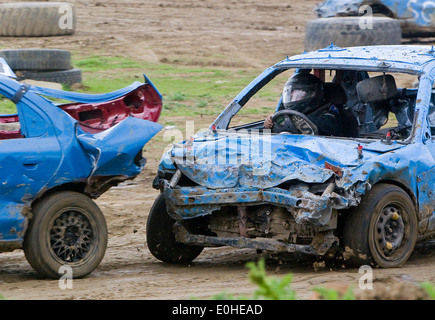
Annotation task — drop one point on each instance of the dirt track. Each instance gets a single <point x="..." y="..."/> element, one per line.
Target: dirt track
<point x="225" y="33"/>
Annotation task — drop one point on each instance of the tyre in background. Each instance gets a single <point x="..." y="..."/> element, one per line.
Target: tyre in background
<point x="37" y="19"/>
<point x="37" y="59"/>
<point x="67" y="77"/>
<point x="347" y="32"/>
<point x="50" y="65"/>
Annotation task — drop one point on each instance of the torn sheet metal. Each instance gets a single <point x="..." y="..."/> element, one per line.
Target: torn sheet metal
<point x="53" y="150"/>
<point x="85" y="97"/>
<point x="226" y="160"/>
<point x="237" y="169"/>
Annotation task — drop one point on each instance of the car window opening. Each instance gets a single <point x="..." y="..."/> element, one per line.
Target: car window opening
<point x="9" y="121"/>
<point x="340" y="103"/>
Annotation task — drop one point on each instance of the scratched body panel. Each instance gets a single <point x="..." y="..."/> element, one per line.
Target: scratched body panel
<point x="53" y="150"/>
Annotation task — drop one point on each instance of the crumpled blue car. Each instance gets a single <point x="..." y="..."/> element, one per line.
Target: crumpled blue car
<point x="369" y="192"/>
<point x="56" y="157"/>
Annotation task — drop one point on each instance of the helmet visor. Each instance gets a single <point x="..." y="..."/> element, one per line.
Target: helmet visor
<point x="294" y="93"/>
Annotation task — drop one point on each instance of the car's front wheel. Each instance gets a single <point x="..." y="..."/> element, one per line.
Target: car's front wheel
<point x="161" y="238"/>
<point x="67" y="229"/>
<point x="382" y="230"/>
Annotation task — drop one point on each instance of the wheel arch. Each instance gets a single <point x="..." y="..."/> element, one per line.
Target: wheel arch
<point x="77" y="187"/>
<point x="343" y="213"/>
<point x="364" y="227"/>
<point x="403" y="186"/>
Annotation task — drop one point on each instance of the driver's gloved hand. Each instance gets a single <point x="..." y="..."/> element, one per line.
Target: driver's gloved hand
<point x="268" y="124"/>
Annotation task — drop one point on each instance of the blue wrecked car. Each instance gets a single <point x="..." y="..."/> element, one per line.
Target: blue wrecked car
<point x="56" y="157"/>
<point x="367" y="189"/>
<point x="369" y="22"/>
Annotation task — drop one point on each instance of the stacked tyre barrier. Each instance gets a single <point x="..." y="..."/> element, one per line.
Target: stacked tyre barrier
<point x="51" y="65"/>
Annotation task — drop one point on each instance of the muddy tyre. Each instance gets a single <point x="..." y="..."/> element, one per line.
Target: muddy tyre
<point x="67" y="77"/>
<point x="161" y="238"/>
<point x="382" y="230"/>
<point x="37" y="19"/>
<point x="66" y="229"/>
<point x="37" y="59"/>
<point x="346" y="32"/>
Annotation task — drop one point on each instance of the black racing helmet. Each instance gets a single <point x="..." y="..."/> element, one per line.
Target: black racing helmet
<point x="303" y="92"/>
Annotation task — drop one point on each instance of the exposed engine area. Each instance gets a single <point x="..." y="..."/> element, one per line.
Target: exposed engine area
<point x="263" y="221"/>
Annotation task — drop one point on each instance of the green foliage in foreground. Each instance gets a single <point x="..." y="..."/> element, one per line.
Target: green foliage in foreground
<point x="279" y="288"/>
<point x="429" y="288"/>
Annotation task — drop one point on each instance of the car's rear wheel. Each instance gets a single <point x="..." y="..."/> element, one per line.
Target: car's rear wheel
<point x="66" y="229"/>
<point x="382" y="230"/>
<point x="161" y="238"/>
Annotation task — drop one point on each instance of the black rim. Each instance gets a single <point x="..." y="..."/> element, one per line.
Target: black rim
<point x="71" y="236"/>
<point x="392" y="232"/>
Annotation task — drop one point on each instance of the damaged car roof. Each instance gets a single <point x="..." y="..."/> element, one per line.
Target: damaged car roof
<point x="408" y="59"/>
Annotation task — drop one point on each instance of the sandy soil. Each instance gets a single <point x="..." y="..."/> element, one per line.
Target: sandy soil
<point x="225" y="33"/>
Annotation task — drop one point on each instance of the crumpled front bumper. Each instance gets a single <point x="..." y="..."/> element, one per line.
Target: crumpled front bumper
<point x="185" y="203"/>
<point x="192" y="202"/>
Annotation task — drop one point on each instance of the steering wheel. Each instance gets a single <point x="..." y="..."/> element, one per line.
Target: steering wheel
<point x="293" y="122"/>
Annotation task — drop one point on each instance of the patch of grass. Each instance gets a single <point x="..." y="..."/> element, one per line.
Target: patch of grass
<point x="333" y="294"/>
<point x="7" y="106"/>
<point x="99" y="63"/>
<point x="201" y="104"/>
<point x="185" y="89"/>
<point x="268" y="288"/>
<point x="177" y="96"/>
<point x="280" y="288"/>
<point x="429" y="288"/>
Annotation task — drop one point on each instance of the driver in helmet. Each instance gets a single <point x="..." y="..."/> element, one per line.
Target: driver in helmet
<point x="306" y="93"/>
